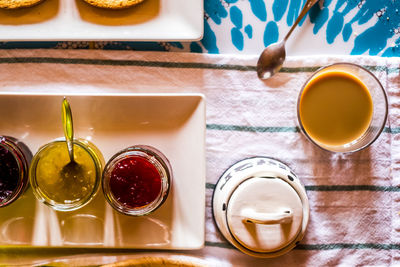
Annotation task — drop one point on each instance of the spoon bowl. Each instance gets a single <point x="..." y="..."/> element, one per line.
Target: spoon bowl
<point x="271" y="60"/>
<point x="71" y="171"/>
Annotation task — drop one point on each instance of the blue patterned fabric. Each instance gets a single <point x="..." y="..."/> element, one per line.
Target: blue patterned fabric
<point x="232" y="25"/>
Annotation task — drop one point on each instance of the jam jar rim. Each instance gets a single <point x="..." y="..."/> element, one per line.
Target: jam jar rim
<point x="141" y="151"/>
<point x="22" y="162"/>
<point x="96" y="157"/>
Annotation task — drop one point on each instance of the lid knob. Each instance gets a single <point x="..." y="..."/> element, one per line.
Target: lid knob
<point x="251" y="216"/>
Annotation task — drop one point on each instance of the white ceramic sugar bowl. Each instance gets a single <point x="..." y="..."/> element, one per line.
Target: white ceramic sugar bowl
<point x="261" y="207"/>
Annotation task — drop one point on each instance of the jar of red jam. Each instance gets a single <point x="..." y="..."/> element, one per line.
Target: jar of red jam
<point x="136" y="181"/>
<point x="14" y="160"/>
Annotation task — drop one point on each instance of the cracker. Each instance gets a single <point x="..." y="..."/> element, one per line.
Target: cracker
<point x="12" y="4"/>
<point x="113" y="4"/>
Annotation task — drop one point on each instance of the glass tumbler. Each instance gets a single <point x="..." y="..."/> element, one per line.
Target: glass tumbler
<point x="377" y="112"/>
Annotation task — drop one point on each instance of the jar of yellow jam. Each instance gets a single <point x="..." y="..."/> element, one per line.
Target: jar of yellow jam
<point x="61" y="187"/>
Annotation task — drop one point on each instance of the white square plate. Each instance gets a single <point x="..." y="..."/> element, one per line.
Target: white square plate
<point x="173" y="123"/>
<point x="152" y="20"/>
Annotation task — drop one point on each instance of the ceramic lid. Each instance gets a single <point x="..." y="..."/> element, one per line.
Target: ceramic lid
<point x="264" y="214"/>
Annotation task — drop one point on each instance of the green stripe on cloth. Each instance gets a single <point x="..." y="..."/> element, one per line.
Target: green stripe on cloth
<point x="348" y="246"/>
<point x="352" y="188"/>
<point x="376" y="68"/>
<point x="395" y="130"/>
<point x="114" y="62"/>
<point x="393" y="70"/>
<point x="299" y="69"/>
<point x="272" y="129"/>
<point x="330" y="246"/>
<point x="258" y="129"/>
<point x="219" y="244"/>
<point x="340" y="188"/>
<point x="210" y="186"/>
<point x="313" y="69"/>
<point x="163" y="64"/>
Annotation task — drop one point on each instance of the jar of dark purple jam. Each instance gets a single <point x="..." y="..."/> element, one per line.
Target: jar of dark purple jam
<point x="136" y="181"/>
<point x="14" y="160"/>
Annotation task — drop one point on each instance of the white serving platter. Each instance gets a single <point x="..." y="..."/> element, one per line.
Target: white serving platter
<point x="173" y="123"/>
<point x="56" y="20"/>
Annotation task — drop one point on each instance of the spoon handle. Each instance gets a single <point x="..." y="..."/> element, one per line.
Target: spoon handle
<point x="68" y="127"/>
<point x="309" y="4"/>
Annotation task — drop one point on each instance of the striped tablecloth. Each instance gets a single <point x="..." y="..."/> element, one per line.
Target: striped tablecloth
<point x="354" y="199"/>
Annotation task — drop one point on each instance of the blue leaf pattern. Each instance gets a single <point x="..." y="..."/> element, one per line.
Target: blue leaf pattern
<point x="332" y="14"/>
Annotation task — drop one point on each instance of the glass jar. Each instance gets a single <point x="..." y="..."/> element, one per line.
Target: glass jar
<point x="63" y="185"/>
<point x="15" y="157"/>
<point x="136" y="181"/>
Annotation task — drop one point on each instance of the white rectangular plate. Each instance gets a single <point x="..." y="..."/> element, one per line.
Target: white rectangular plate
<point x="174" y="124"/>
<point x="152" y="20"/>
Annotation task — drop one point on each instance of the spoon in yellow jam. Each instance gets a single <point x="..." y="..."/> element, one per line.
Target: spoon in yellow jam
<point x="72" y="169"/>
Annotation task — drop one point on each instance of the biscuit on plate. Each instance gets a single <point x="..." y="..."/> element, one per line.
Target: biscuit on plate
<point x="113" y="4"/>
<point x="11" y="4"/>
